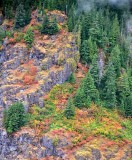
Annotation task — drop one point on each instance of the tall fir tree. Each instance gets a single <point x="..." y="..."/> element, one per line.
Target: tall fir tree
<point x="96" y="31"/>
<point x="90" y="89"/>
<point x="128" y="106"/>
<point x="114" y="33"/>
<point x="71" y="19"/>
<point x="45" y="25"/>
<point x="20" y="18"/>
<point x="80" y="98"/>
<point x="86" y="24"/>
<point x="88" y="49"/>
<point x="124" y="94"/>
<point x="87" y="93"/>
<point x="70" y="109"/>
<point x="110" y="86"/>
<point x="84" y="52"/>
<point x="49" y="26"/>
<point x="53" y="27"/>
<point x="115" y="58"/>
<point x="94" y="70"/>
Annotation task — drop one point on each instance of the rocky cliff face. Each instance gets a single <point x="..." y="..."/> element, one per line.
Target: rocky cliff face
<point x="28" y="75"/>
<point x="25" y="146"/>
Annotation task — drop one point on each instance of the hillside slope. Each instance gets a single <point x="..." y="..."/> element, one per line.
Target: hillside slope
<point x="46" y="76"/>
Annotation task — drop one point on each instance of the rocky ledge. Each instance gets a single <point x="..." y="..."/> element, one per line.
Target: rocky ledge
<point x="28" y="75"/>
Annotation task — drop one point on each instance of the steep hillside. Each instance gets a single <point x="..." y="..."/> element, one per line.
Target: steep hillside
<point x="65" y="80"/>
<point x="26" y="75"/>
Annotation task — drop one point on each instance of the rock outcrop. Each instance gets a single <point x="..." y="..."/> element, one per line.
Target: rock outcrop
<point x="28" y="75"/>
<point x="25" y="146"/>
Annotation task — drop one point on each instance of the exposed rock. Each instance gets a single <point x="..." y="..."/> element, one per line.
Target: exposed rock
<point x="26" y="146"/>
<point x="27" y="77"/>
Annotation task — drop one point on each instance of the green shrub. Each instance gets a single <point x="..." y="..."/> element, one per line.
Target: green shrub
<point x="29" y="37"/>
<point x="14" y="117"/>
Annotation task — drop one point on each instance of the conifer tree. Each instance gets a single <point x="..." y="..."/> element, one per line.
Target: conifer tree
<point x="124" y="94"/>
<point x="94" y="70"/>
<point x="45" y="25"/>
<point x="20" y="18"/>
<point x="87" y="93"/>
<point x="84" y="52"/>
<point x="128" y="106"/>
<point x="86" y="24"/>
<point x="53" y="27"/>
<point x="80" y="98"/>
<point x="29" y="37"/>
<point x="14" y="117"/>
<point x="27" y="8"/>
<point x="90" y="89"/>
<point x="70" y="109"/>
<point x="49" y="27"/>
<point x="115" y="58"/>
<point x="110" y="86"/>
<point x="96" y="31"/>
<point x="9" y="12"/>
<point x="71" y="19"/>
<point x="114" y="32"/>
<point x="92" y="48"/>
<point x="88" y="49"/>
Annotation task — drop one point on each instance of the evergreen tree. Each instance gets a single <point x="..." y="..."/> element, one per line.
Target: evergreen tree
<point x="92" y="48"/>
<point x="9" y="12"/>
<point x="53" y="27"/>
<point x="20" y="18"/>
<point x="49" y="27"/>
<point x="114" y="32"/>
<point x="45" y="25"/>
<point x="86" y="24"/>
<point x="87" y="93"/>
<point x="128" y="106"/>
<point x="94" y="70"/>
<point x="80" y="98"/>
<point x="96" y="31"/>
<point x="70" y="109"/>
<point x="14" y="117"/>
<point x="90" y="89"/>
<point x="27" y="8"/>
<point x="88" y="49"/>
<point x="29" y="37"/>
<point x="110" y="86"/>
<point x="84" y="52"/>
<point x="115" y="58"/>
<point x="71" y="19"/>
<point x="124" y="94"/>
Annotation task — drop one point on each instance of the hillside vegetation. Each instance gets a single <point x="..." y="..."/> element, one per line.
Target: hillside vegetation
<point x="66" y="74"/>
